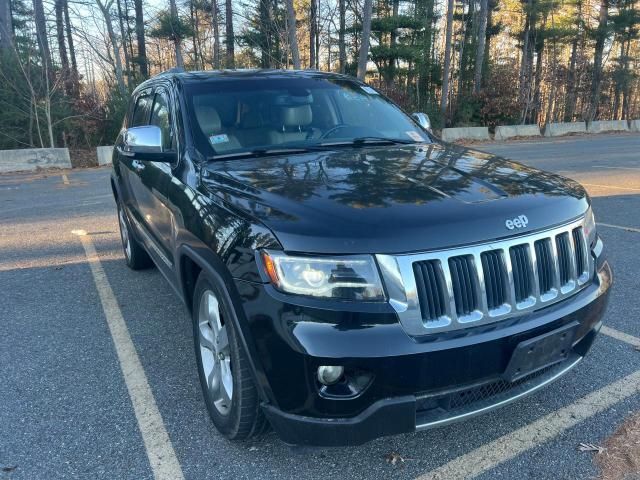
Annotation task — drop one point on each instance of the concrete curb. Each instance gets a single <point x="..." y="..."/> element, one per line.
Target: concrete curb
<point x="28" y="159"/>
<point x="466" y="133"/>
<point x="559" y="129"/>
<point x="599" y="126"/>
<point x="504" y="132"/>
<point x="104" y="154"/>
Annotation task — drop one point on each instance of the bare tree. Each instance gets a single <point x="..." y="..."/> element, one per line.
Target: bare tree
<point x="142" y="49"/>
<point x="72" y="51"/>
<point x="231" y="58"/>
<point x="291" y="30"/>
<point x="6" y="25"/>
<point x="62" y="48"/>
<point x="342" y="50"/>
<point x="313" y="23"/>
<point x="41" y="34"/>
<point x="364" y="44"/>
<point x="105" y="8"/>
<point x="482" y="38"/>
<point x="447" y="59"/>
<point x="216" y="34"/>
<point x="601" y="37"/>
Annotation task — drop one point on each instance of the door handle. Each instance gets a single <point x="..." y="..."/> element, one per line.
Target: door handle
<point x="137" y="165"/>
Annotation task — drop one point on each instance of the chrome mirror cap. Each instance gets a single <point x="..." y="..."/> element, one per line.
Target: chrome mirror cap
<point x="146" y="139"/>
<point x="423" y="120"/>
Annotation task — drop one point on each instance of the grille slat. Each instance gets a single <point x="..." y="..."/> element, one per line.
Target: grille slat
<point x="521" y="272"/>
<point x="463" y="279"/>
<point x="579" y="250"/>
<point x="495" y="279"/>
<point x="430" y="289"/>
<point x="545" y="265"/>
<point x="564" y="257"/>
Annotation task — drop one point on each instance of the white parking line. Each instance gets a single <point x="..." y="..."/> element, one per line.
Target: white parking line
<point x="621" y="227"/>
<point x="508" y="446"/>
<point x="65" y="179"/>
<point x="630" y="189"/>
<point x="618" y="335"/>
<point x="637" y="169"/>
<point x="162" y="457"/>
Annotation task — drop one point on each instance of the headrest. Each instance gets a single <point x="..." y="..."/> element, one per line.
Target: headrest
<point x="294" y="116"/>
<point x="208" y="119"/>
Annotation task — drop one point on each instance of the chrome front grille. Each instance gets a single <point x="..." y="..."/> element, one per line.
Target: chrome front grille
<point x="462" y="287"/>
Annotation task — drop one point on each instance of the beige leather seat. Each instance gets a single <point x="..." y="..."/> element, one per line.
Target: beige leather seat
<point x="293" y="124"/>
<point x="211" y="126"/>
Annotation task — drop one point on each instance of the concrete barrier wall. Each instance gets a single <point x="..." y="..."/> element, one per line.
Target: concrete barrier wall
<point x="608" y="126"/>
<point x="559" y="129"/>
<point x="27" y="159"/>
<point x="509" y="131"/>
<point x="466" y="133"/>
<point x="104" y="155"/>
<point x="634" y="125"/>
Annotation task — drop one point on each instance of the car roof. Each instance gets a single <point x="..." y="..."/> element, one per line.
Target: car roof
<point x="239" y="74"/>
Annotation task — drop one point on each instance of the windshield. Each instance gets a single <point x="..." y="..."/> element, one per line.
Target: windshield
<point x="245" y="115"/>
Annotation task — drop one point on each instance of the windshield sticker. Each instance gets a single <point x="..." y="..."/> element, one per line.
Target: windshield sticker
<point x="215" y="139"/>
<point x="415" y="135"/>
<point x="369" y="90"/>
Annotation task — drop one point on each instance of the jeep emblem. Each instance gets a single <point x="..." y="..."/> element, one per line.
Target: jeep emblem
<point x="520" y="221"/>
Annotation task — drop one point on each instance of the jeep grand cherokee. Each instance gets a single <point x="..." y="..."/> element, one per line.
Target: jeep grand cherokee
<point x="349" y="275"/>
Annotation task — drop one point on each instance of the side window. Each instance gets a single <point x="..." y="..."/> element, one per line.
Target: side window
<point x="141" y="112"/>
<point x="160" y="118"/>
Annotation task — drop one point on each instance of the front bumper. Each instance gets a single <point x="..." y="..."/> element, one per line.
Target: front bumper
<point x="416" y="385"/>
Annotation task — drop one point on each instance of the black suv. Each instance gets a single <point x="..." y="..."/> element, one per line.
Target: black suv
<point x="350" y="276"/>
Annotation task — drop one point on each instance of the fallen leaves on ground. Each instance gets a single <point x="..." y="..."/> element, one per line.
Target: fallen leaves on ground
<point x="621" y="460"/>
<point x="394" y="458"/>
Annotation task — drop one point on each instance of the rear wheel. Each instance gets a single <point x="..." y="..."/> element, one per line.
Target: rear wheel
<point x="135" y="255"/>
<point x="225" y="377"/>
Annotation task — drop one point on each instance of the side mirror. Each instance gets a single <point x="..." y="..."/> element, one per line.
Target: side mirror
<point x="145" y="143"/>
<point x="423" y="120"/>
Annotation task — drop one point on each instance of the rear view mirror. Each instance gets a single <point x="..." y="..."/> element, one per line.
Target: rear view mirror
<point x="423" y="120"/>
<point x="145" y="143"/>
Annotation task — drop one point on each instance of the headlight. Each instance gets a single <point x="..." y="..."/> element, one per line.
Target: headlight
<point x="343" y="278"/>
<point x="590" y="228"/>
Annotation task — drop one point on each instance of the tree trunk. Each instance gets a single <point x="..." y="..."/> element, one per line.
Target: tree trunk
<point x="72" y="50"/>
<point x="62" y="49"/>
<point x="142" y="49"/>
<point x="41" y="34"/>
<point x="482" y="38"/>
<point x="123" y="36"/>
<point x="105" y="9"/>
<point x="364" y="43"/>
<point x="177" y="41"/>
<point x="342" y="50"/>
<point x="6" y="26"/>
<point x="447" y="61"/>
<point x="231" y="57"/>
<point x="601" y="36"/>
<point x="216" y="34"/>
<point x="570" y="106"/>
<point x="193" y="15"/>
<point x="293" y="39"/>
<point x="312" y="33"/>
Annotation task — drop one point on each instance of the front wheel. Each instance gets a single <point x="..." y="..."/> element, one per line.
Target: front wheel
<point x="225" y="376"/>
<point x="135" y="255"/>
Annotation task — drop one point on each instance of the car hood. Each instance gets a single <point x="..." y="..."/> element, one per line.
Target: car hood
<point x="392" y="199"/>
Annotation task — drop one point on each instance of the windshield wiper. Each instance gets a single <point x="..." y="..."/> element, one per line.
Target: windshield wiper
<point x="258" y="152"/>
<point x="367" y="141"/>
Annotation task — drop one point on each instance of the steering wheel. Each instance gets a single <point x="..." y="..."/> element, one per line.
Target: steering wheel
<point x="334" y="129"/>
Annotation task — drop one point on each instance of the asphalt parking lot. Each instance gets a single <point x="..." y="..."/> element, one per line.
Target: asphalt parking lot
<point x="66" y="410"/>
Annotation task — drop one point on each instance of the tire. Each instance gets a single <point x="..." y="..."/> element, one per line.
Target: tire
<point x="135" y="255"/>
<point x="228" y="387"/>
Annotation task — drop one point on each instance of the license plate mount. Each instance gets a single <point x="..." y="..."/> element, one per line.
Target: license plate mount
<point x="541" y="352"/>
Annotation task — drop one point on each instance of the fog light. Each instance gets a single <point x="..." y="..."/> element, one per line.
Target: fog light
<point x="330" y="374"/>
